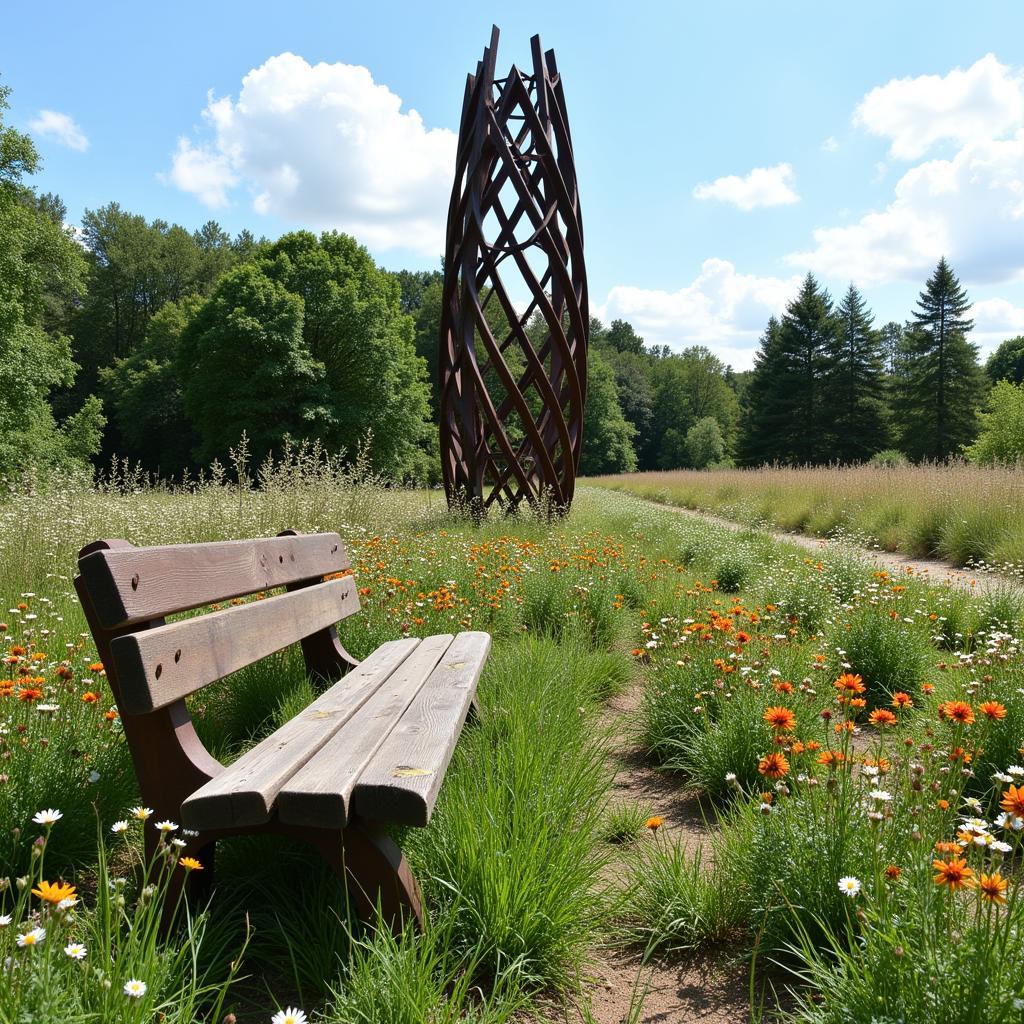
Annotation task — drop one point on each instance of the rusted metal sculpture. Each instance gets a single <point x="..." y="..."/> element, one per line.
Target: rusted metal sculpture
<point x="513" y="353"/>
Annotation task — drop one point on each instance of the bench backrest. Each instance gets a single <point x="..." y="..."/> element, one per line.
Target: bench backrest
<point x="152" y="665"/>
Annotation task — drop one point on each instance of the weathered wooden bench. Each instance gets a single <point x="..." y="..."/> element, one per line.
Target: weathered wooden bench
<point x="372" y="749"/>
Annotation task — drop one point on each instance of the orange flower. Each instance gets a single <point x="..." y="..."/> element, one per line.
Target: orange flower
<point x="29" y="693"/>
<point x="892" y="872"/>
<point x="927" y="687"/>
<point x="90" y="697"/>
<point x="943" y="805"/>
<point x="1013" y="801"/>
<point x="882" y="717"/>
<point x="831" y="758"/>
<point x="783" y="686"/>
<point x="96" y="666"/>
<point x="54" y="892"/>
<point x="773" y="766"/>
<point x="946" y="847"/>
<point x="780" y="719"/>
<point x="850" y="683"/>
<point x="190" y="864"/>
<point x="957" y="711"/>
<point x="993" y="709"/>
<point x="992" y="887"/>
<point x="110" y="715"/>
<point x="953" y="873"/>
<point x="653" y="823"/>
<point x="902" y="700"/>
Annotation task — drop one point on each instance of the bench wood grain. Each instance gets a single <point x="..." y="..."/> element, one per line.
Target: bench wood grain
<point x="159" y="666"/>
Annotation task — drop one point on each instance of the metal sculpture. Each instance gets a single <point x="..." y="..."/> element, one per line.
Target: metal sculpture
<point x="513" y="355"/>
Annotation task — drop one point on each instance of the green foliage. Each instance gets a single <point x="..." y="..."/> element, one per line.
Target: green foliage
<point x="889" y="458"/>
<point x="1007" y="362"/>
<point x="245" y="370"/>
<point x="705" y="445"/>
<point x="1001" y="437"/>
<point x="607" y="434"/>
<point x="939" y="380"/>
<point x="40" y="264"/>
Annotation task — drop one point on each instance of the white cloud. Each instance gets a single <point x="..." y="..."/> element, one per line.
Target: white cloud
<point x="983" y="102"/>
<point x="52" y="124"/>
<point x="995" y="320"/>
<point x="326" y="147"/>
<point x="969" y="208"/>
<point x="763" y="186"/>
<point x="830" y="145"/>
<point x="721" y="308"/>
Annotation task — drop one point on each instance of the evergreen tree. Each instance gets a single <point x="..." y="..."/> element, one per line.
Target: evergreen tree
<point x="807" y="333"/>
<point x="765" y="412"/>
<point x="1007" y="362"/>
<point x="854" y="384"/>
<point x="940" y="382"/>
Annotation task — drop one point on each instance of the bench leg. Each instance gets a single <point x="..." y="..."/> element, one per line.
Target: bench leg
<point x="375" y="871"/>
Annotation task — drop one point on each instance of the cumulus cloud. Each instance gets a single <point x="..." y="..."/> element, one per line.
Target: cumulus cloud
<point x="52" y="124"/>
<point x="324" y="146"/>
<point x="722" y="309"/>
<point x="830" y="145"/>
<point x="983" y="102"/>
<point x="968" y="206"/>
<point x="763" y="186"/>
<point x="995" y="320"/>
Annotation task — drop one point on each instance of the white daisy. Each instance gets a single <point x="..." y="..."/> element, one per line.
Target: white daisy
<point x="32" y="938"/>
<point x="134" y="988"/>
<point x="75" y="950"/>
<point x="166" y="826"/>
<point x="292" y="1015"/>
<point x="5" y="920"/>
<point x="142" y="813"/>
<point x="118" y="827"/>
<point x="67" y="903"/>
<point x="881" y="795"/>
<point x="849" y="886"/>
<point x="48" y="817"/>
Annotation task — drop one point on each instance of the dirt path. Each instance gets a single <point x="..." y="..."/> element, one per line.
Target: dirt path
<point x="701" y="987"/>
<point x="934" y="570"/>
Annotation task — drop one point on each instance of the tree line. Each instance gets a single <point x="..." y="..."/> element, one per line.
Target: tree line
<point x="141" y="339"/>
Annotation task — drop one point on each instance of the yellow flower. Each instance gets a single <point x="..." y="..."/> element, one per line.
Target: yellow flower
<point x="190" y="864"/>
<point x="54" y="892"/>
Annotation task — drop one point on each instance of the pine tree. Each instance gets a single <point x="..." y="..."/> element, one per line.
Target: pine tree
<point x="764" y="413"/>
<point x="940" y="383"/>
<point x="854" y="384"/>
<point x="807" y="334"/>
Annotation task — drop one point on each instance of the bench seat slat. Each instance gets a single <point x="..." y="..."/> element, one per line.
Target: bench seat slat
<point x="319" y="793"/>
<point x="158" y="666"/>
<point x="130" y="585"/>
<point x="244" y="793"/>
<point x="401" y="782"/>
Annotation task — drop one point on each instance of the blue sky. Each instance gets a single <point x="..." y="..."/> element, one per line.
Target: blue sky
<point x="722" y="150"/>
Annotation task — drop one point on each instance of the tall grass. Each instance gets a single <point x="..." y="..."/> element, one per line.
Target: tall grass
<point x="965" y="513"/>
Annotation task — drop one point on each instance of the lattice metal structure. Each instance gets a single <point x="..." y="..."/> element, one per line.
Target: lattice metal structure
<point x="515" y="316"/>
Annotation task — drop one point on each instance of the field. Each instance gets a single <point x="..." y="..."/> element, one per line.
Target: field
<point x="851" y="742"/>
<point x="967" y="514"/>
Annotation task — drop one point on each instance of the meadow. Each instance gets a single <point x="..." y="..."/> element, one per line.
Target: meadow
<point x="967" y="514"/>
<point x="855" y="738"/>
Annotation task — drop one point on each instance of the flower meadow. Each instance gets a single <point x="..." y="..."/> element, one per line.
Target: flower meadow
<point x="855" y="740"/>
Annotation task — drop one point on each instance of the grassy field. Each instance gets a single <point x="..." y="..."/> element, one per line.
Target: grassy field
<point x="857" y="739"/>
<point x="964" y="513"/>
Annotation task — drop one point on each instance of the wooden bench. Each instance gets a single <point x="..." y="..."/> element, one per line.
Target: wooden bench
<point x="372" y="749"/>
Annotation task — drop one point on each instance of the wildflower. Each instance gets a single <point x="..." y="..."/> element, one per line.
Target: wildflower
<point x="292" y="1015"/>
<point x="902" y="700"/>
<point x="134" y="989"/>
<point x="892" y="872"/>
<point x="1010" y="821"/>
<point x="75" y="950"/>
<point x="653" y="823"/>
<point x="48" y="817"/>
<point x="849" y="683"/>
<point x="780" y="719"/>
<point x="991" y="887"/>
<point x="29" y="693"/>
<point x="882" y="717"/>
<point x="993" y="710"/>
<point x="32" y="938"/>
<point x="5" y="920"/>
<point x="54" y="892"/>
<point x="142" y="813"/>
<point x="766" y="808"/>
<point x="953" y="873"/>
<point x="96" y="666"/>
<point x="118" y="827"/>
<point x="880" y="795"/>
<point x="191" y="864"/>
<point x="849" y="886"/>
<point x="958" y="711"/>
<point x="773" y="766"/>
<point x="90" y="697"/>
<point x="1013" y="801"/>
<point x="166" y="827"/>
